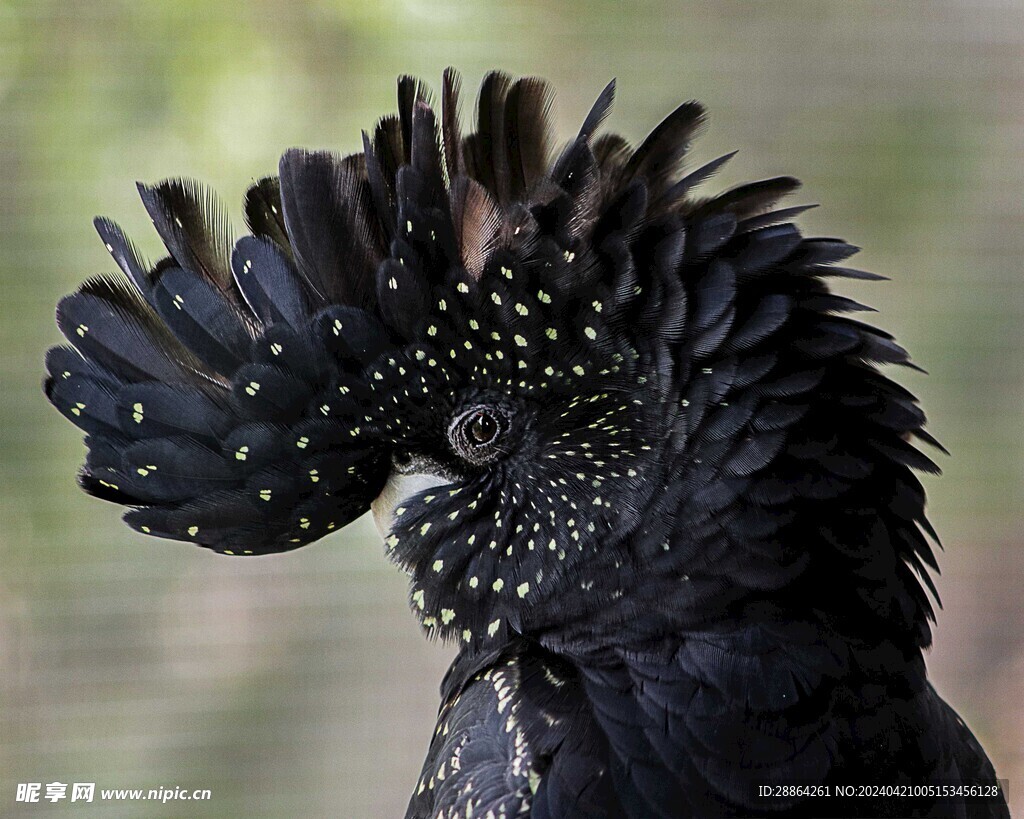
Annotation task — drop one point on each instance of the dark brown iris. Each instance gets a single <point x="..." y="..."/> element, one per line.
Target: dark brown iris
<point x="482" y="427"/>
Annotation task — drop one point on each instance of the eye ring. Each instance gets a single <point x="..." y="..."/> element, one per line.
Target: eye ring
<point x="476" y="433"/>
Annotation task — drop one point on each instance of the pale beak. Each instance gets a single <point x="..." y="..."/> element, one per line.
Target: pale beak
<point x="406" y="480"/>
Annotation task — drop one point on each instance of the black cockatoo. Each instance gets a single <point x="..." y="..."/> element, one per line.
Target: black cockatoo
<point x="636" y="457"/>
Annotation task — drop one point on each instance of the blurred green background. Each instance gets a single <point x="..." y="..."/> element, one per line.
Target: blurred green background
<point x="299" y="685"/>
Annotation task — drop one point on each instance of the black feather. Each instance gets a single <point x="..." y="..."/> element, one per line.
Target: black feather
<point x="194" y="227"/>
<point x="659" y="156"/>
<point x="326" y="207"/>
<point x="599" y="112"/>
<point x="124" y="253"/>
<point x="526" y="120"/>
<point x="268" y="282"/>
<point x="264" y="214"/>
<point x="451" y="86"/>
<point x="489" y="148"/>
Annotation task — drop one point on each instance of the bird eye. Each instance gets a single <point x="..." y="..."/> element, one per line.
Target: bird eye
<point x="476" y="433"/>
<point x="482" y="428"/>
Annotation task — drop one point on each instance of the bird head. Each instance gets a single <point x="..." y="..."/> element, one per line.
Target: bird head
<point x="562" y="382"/>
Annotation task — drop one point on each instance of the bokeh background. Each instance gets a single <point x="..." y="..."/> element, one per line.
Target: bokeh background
<point x="299" y="685"/>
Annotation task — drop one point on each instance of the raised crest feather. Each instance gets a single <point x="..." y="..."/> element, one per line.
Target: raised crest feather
<point x="194" y="226"/>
